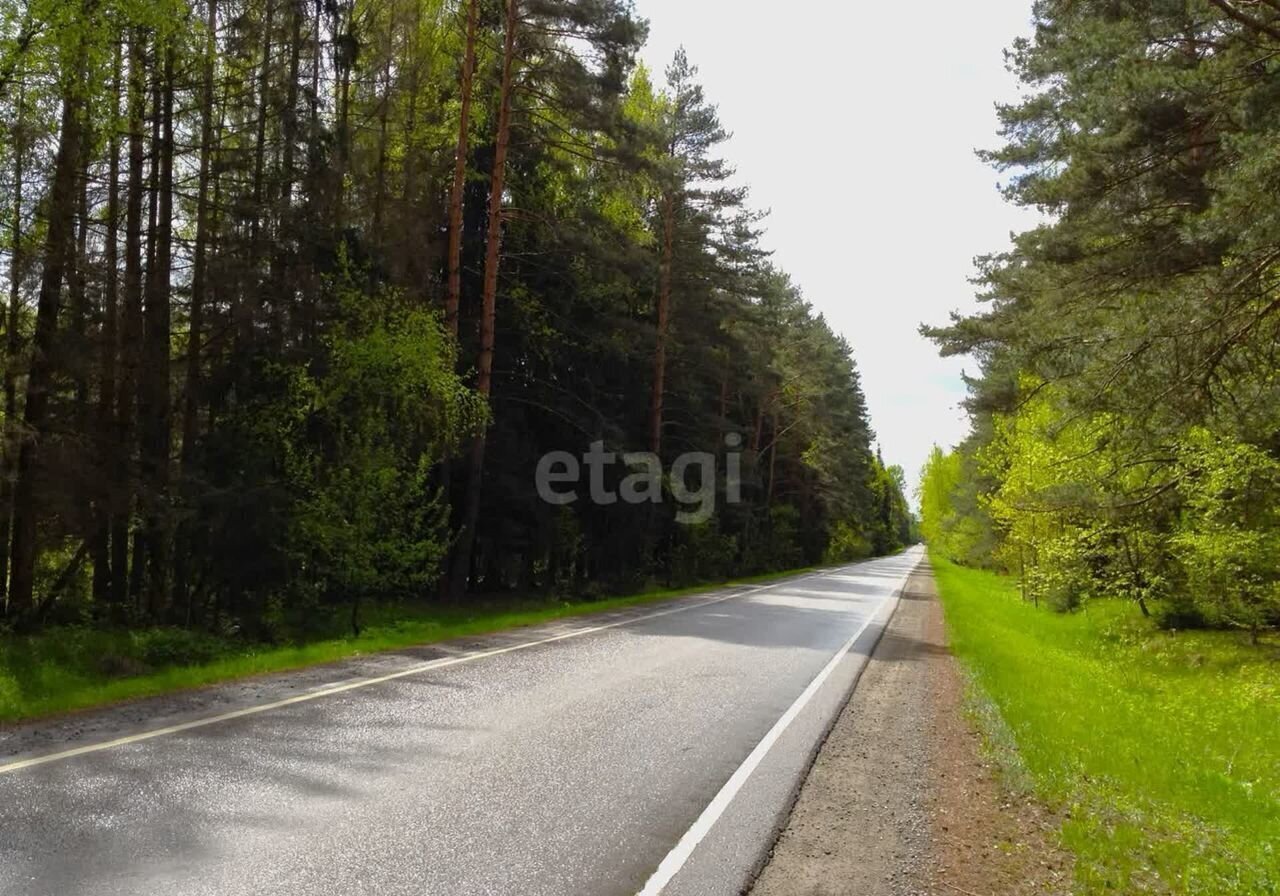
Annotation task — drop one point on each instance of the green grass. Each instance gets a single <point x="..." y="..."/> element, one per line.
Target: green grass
<point x="68" y="669"/>
<point x="1160" y="749"/>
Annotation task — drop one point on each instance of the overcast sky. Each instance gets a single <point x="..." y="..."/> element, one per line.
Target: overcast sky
<point x="856" y="125"/>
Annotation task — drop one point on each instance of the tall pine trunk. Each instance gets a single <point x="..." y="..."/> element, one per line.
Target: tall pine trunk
<point x="489" y="301"/>
<point x="773" y="460"/>
<point x="131" y="323"/>
<point x="457" y="193"/>
<point x="453" y="293"/>
<point x="345" y="49"/>
<point x="13" y="346"/>
<point x="57" y="248"/>
<point x="155" y="445"/>
<point x="283" y="289"/>
<point x="195" y="331"/>
<point x="663" y="324"/>
<point x="380" y="169"/>
<point x="141" y="544"/>
<point x="78" y="296"/>
<point x="248" y="310"/>
<point x="104" y="428"/>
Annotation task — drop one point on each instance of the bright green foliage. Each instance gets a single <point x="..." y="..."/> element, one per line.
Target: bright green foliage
<point x="1158" y="749"/>
<point x="892" y="528"/>
<point x="1201" y="548"/>
<point x="1059" y="504"/>
<point x="367" y="520"/>
<point x="1229" y="540"/>
<point x="1128" y="411"/>
<point x="953" y="521"/>
<point x="938" y="481"/>
<point x="848" y="544"/>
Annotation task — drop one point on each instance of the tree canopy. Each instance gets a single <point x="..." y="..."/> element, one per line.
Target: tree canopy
<point x="300" y="293"/>
<point x="1127" y="416"/>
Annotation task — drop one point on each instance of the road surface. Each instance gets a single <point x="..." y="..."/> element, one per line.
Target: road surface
<point x="653" y="750"/>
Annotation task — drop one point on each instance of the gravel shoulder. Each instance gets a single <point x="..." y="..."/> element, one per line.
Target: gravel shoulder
<point x="902" y="800"/>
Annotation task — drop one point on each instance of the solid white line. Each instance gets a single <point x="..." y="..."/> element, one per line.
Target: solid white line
<point x="382" y="679"/>
<point x="680" y="854"/>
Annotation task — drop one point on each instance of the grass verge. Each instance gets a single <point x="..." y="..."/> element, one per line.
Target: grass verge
<point x="1161" y="749"/>
<point x="68" y="669"/>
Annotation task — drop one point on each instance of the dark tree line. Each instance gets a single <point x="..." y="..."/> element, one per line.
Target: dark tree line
<point x="300" y="292"/>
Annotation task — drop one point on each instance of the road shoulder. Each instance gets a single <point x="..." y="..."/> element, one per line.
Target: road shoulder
<point x="901" y="800"/>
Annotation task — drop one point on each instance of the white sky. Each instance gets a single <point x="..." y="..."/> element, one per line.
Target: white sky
<point x="855" y="124"/>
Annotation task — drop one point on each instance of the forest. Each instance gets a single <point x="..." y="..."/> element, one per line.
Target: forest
<point x="1126" y="415"/>
<point x="300" y="291"/>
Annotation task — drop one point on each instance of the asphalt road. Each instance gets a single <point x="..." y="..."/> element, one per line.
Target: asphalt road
<point x="655" y="750"/>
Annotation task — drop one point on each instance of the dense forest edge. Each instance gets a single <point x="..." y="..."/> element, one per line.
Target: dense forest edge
<point x="1126" y="414"/>
<point x="1107" y="538"/>
<point x="300" y="295"/>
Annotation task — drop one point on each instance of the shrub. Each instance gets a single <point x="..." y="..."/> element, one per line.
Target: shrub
<point x="1229" y="538"/>
<point x="848" y="544"/>
<point x="703" y="554"/>
<point x="163" y="647"/>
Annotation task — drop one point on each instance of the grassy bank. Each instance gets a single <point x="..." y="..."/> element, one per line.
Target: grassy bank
<point x="66" y="669"/>
<point x="1161" y="749"/>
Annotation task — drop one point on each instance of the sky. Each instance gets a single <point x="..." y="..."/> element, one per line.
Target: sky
<point x="856" y="125"/>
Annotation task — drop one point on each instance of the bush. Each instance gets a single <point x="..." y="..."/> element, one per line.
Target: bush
<point x="782" y="548"/>
<point x="163" y="647"/>
<point x="366" y="520"/>
<point x="704" y="554"/>
<point x="1061" y="577"/>
<point x="1229" y="538"/>
<point x="847" y="544"/>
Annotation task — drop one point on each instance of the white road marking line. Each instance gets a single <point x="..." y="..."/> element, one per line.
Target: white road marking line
<point x="680" y="854"/>
<point x="382" y="679"/>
